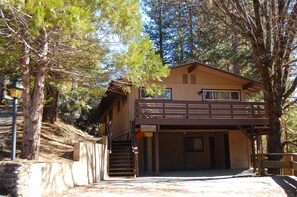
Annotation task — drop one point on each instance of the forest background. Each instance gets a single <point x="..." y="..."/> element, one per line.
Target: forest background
<point x="67" y="52"/>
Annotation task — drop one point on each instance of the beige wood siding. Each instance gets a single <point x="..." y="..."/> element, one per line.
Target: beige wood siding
<point x="205" y="79"/>
<point x="134" y="94"/>
<point x="120" y="120"/>
<point x="239" y="151"/>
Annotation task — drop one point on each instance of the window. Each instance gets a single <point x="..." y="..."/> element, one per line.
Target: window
<point x="194" y="144"/>
<point x="223" y="95"/>
<point x="165" y="95"/>
<point x="185" y="78"/>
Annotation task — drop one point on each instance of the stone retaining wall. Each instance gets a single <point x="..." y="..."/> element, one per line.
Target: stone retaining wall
<point x="34" y="179"/>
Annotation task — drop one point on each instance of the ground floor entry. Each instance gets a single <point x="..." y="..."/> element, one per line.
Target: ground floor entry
<point x="193" y="150"/>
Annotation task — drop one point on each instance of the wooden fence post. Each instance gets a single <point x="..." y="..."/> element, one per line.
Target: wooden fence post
<point x="260" y="160"/>
<point x="288" y="171"/>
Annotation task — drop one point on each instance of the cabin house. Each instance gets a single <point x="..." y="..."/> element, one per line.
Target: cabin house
<point x="202" y="121"/>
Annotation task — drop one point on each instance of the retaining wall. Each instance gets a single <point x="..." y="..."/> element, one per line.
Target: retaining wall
<point x="33" y="178"/>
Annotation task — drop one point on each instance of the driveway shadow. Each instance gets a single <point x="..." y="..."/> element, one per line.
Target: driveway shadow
<point x="288" y="183"/>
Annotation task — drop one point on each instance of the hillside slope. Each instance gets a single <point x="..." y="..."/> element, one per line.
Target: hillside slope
<point x="57" y="139"/>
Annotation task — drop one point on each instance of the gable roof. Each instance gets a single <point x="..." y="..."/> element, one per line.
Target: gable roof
<point x="249" y="86"/>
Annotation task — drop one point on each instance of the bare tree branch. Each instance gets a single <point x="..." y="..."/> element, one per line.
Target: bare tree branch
<point x="290" y="90"/>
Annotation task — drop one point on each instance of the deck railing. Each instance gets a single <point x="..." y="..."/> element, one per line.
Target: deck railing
<point x="173" y="109"/>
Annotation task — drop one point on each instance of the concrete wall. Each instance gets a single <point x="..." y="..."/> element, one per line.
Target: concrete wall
<point x="42" y="178"/>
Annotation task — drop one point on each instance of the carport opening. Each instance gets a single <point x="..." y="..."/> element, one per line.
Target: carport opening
<point x="187" y="151"/>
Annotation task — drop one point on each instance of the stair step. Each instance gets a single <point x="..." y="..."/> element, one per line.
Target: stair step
<point x="121" y="160"/>
<point x="121" y="169"/>
<point x="120" y="164"/>
<point x="120" y="155"/>
<point x="120" y="147"/>
<point x="130" y="162"/>
<point x="121" y="173"/>
<point x="121" y="143"/>
<point x="117" y="142"/>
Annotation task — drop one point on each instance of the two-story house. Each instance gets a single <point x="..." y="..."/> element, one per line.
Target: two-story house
<point x="201" y="122"/>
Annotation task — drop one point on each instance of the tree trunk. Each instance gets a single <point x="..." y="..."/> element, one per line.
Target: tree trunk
<point x="160" y="28"/>
<point x="234" y="64"/>
<point x="2" y="88"/>
<point x="180" y="36"/>
<point x="191" y="36"/>
<point x="274" y="137"/>
<point x="50" y="110"/>
<point x="33" y="120"/>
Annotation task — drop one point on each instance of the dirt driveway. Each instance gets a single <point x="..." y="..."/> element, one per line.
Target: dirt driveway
<point x="224" y="185"/>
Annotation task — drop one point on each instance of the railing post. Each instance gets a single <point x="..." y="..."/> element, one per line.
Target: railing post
<point x="163" y="104"/>
<point x="209" y="109"/>
<point x="187" y="111"/>
<point x="265" y="109"/>
<point x="253" y="112"/>
<point x="231" y="109"/>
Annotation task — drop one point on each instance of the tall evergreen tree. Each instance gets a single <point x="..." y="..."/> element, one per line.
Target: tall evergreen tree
<point x="187" y="30"/>
<point x="68" y="41"/>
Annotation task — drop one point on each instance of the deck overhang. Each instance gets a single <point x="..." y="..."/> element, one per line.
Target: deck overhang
<point x="200" y="114"/>
<point x="202" y="122"/>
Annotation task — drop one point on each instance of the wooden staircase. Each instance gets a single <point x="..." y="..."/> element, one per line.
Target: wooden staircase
<point x="121" y="159"/>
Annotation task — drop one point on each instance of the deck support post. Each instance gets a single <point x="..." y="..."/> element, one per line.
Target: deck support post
<point x="253" y="148"/>
<point x="156" y="144"/>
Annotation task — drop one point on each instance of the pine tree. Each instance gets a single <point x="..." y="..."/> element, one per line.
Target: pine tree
<point x="67" y="41"/>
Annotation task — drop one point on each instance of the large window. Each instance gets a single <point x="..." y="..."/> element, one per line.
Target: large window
<point x="194" y="144"/>
<point x="165" y="95"/>
<point x="221" y="95"/>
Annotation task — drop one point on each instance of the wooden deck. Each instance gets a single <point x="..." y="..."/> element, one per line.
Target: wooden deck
<point x="173" y="112"/>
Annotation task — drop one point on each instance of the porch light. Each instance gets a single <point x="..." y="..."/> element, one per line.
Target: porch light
<point x="16" y="90"/>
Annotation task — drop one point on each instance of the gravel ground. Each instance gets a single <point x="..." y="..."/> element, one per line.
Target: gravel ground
<point x="190" y="186"/>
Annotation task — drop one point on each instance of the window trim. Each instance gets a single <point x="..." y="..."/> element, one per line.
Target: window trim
<point x="222" y="90"/>
<point x="140" y="95"/>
